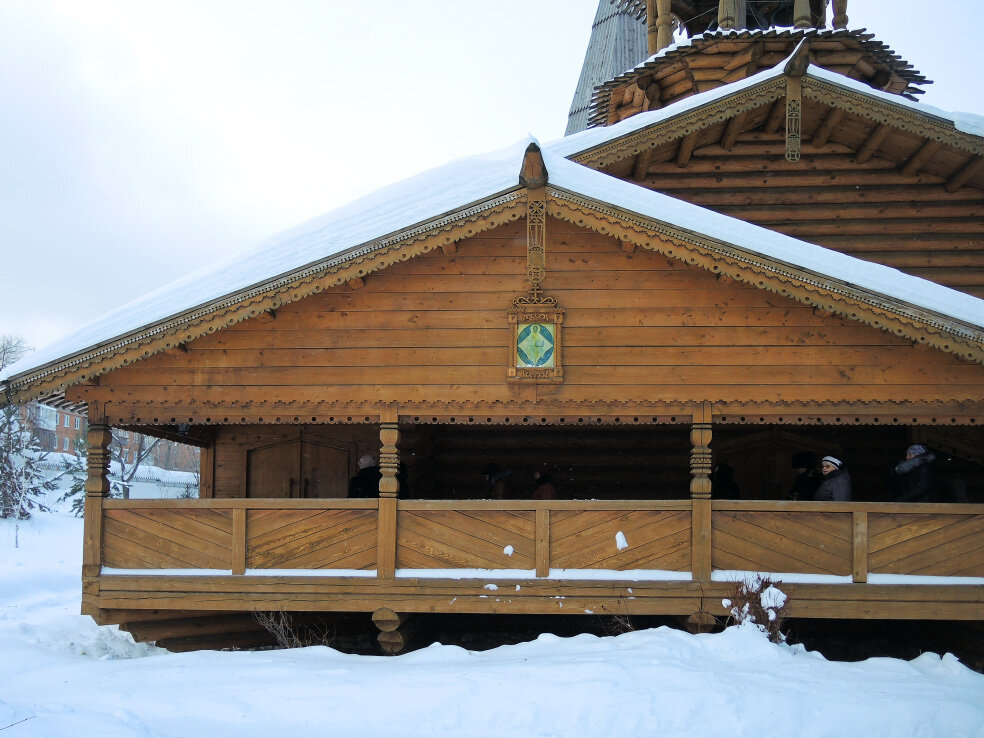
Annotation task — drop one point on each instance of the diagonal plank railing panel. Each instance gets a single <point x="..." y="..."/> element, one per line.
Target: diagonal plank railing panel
<point x="328" y="539"/>
<point x="928" y="545"/>
<point x="648" y="540"/>
<point x="164" y="539"/>
<point x="472" y="539"/>
<point x="802" y="542"/>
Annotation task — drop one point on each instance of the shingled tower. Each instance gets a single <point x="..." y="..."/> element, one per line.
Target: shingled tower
<point x="720" y="41"/>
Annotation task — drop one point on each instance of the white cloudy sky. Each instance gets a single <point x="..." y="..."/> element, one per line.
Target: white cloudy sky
<point x="140" y="138"/>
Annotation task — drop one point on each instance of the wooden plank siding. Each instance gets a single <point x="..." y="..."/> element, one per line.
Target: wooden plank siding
<point x="638" y="327"/>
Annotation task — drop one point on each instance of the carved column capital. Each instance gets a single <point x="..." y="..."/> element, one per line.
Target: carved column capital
<point x="98" y="438"/>
<point x="700" y="452"/>
<point x="389" y="458"/>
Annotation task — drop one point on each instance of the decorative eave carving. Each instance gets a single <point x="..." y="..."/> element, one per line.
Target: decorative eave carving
<point x="889" y="113"/>
<point x="922" y="326"/>
<point x="679" y="126"/>
<point x="269" y="296"/>
<point x="831" y="94"/>
<point x="573" y="413"/>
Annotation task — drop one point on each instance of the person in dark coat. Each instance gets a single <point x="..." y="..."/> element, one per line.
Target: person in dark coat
<point x="366" y="481"/>
<point x="808" y="476"/>
<point x="914" y="478"/>
<point x="543" y="488"/>
<point x="723" y="485"/>
<point x="496" y="481"/>
<point x="836" y="483"/>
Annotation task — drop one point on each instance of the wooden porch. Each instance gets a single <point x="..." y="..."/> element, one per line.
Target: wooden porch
<point x="836" y="560"/>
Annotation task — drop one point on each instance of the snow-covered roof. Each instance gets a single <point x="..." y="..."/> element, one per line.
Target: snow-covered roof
<point x="579" y="143"/>
<point x="460" y="187"/>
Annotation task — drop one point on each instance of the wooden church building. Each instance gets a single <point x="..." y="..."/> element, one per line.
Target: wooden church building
<point x="753" y="243"/>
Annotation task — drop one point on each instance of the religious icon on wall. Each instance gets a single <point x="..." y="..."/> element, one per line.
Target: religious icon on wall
<point x="535" y="348"/>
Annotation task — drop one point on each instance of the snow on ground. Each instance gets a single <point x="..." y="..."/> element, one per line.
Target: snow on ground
<point x="61" y="675"/>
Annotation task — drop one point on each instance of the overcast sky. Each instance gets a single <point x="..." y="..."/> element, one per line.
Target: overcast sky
<point x="141" y="139"/>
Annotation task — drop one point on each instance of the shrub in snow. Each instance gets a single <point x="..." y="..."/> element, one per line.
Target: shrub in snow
<point x="757" y="600"/>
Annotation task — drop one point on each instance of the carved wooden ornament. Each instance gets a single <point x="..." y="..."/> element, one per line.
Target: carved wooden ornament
<point x="535" y="319"/>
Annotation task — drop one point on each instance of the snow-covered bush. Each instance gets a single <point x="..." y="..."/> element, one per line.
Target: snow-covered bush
<point x="23" y="481"/>
<point x="758" y="600"/>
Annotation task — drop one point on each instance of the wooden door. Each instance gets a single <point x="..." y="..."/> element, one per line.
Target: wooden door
<point x="325" y="468"/>
<point x="274" y="470"/>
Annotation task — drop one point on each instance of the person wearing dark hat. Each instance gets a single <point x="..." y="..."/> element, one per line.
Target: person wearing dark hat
<point x="808" y="476"/>
<point x="914" y="478"/>
<point x="836" y="483"/>
<point x="496" y="481"/>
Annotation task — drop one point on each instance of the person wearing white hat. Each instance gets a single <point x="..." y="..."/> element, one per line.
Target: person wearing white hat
<point x="366" y="482"/>
<point x="836" y="483"/>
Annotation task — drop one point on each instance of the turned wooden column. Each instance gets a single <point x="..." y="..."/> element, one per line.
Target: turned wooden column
<point x="700" y="492"/>
<point x="840" y="14"/>
<point x="389" y="489"/>
<point x="98" y="439"/>
<point x="801" y="14"/>
<point x="731" y="14"/>
<point x="659" y="24"/>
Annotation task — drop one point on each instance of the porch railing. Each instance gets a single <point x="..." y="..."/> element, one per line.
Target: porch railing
<point x="558" y="538"/>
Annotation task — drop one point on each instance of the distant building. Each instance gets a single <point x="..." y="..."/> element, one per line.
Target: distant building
<point x="59" y="429"/>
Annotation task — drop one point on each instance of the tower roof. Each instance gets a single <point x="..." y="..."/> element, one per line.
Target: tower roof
<point x="618" y="43"/>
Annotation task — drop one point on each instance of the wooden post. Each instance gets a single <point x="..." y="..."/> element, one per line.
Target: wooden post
<point x="542" y="554"/>
<point x="860" y="549"/>
<point x="389" y="489"/>
<point x="731" y="14"/>
<point x="389" y="453"/>
<point x="206" y="475"/>
<point x="700" y="492"/>
<point x="801" y="14"/>
<point x="659" y="22"/>
<point x="98" y="437"/>
<point x="840" y="14"/>
<point x="238" y="564"/>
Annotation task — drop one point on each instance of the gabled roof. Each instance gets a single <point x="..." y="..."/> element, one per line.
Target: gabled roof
<point x="582" y="146"/>
<point x="448" y="202"/>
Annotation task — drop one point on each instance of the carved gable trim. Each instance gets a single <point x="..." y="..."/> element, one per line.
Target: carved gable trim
<point x="679" y="126"/>
<point x="831" y="94"/>
<point x="52" y="380"/>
